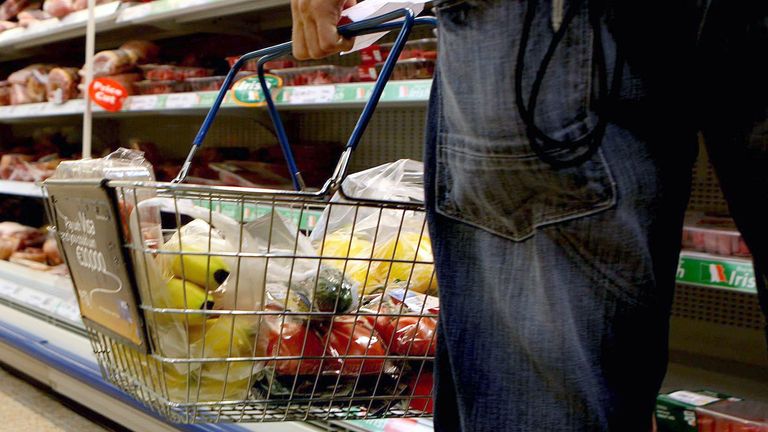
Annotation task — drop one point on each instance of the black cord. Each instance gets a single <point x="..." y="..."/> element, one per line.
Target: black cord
<point x="564" y="153"/>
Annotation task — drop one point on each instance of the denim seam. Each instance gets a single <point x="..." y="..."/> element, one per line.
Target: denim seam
<point x="559" y="218"/>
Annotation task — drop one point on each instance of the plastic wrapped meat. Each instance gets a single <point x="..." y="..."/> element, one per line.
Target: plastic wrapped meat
<point x="5" y="93"/>
<point x="28" y="17"/>
<point x="7" y="25"/>
<point x="123" y="59"/>
<point x="82" y="4"/>
<point x="62" y="84"/>
<point x="10" y="8"/>
<point x="59" y="8"/>
<point x="28" y="84"/>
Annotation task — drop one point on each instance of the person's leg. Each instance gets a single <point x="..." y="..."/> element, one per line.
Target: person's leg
<point x="733" y="44"/>
<point x="555" y="285"/>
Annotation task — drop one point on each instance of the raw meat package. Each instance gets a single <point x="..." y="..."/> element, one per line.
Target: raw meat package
<point x="7" y="25"/>
<point x="62" y="84"/>
<point x="314" y="75"/>
<point x="419" y="49"/>
<point x="5" y="93"/>
<point x="28" y="85"/>
<point x="212" y="83"/>
<point x="410" y="69"/>
<point x="59" y="8"/>
<point x="154" y="72"/>
<point x="28" y="17"/>
<point x="714" y="234"/>
<point x="10" y="8"/>
<point x="157" y="87"/>
<point x="123" y="59"/>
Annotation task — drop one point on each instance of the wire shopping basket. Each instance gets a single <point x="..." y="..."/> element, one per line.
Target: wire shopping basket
<point x="224" y="304"/>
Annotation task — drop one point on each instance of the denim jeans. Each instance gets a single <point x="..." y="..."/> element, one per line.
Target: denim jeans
<point x="556" y="284"/>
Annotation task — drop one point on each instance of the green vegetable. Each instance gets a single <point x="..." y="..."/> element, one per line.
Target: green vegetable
<point x="332" y="292"/>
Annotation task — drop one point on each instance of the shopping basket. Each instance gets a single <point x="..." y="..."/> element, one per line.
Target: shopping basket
<point x="225" y="304"/>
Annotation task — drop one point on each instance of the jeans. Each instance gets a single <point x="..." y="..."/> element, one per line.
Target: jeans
<point x="556" y="284"/>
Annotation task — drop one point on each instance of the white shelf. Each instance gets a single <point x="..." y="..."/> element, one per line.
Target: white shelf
<point x="28" y="189"/>
<point x="47" y="294"/>
<point x="396" y="94"/>
<point x="116" y="15"/>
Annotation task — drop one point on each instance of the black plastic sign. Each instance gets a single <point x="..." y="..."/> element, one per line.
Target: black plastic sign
<point x="91" y="238"/>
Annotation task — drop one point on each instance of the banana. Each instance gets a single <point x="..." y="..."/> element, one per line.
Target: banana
<point x="198" y="268"/>
<point x="182" y="294"/>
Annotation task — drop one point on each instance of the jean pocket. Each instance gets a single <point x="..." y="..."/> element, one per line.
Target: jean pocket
<point x="512" y="194"/>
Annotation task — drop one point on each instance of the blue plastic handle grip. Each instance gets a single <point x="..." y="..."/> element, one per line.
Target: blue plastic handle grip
<point x="373" y="25"/>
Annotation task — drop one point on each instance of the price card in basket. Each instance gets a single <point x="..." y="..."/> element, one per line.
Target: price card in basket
<point x="86" y="214"/>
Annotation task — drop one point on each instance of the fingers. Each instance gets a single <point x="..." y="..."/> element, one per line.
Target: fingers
<point x="314" y="28"/>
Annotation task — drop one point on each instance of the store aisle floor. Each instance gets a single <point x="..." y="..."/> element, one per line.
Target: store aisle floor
<point x="24" y="407"/>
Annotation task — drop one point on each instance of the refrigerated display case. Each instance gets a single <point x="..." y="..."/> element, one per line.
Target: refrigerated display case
<point x="716" y="323"/>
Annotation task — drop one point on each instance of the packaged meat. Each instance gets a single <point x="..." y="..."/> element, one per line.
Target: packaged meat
<point x="314" y="75"/>
<point x="123" y="59"/>
<point x="709" y="411"/>
<point x="10" y="8"/>
<point x="187" y="72"/>
<point x="206" y="83"/>
<point x="82" y="4"/>
<point x="7" y="25"/>
<point x="29" y="17"/>
<point x="420" y="49"/>
<point x="252" y="65"/>
<point x="9" y="162"/>
<point x="59" y="8"/>
<point x="156" y="87"/>
<point x="28" y="84"/>
<point x="62" y="84"/>
<point x="714" y="234"/>
<point x="141" y="51"/>
<point x="410" y="69"/>
<point x="5" y="93"/>
<point x="154" y="72"/>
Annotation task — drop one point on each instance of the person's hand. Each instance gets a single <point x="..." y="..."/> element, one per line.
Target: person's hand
<point x="314" y="28"/>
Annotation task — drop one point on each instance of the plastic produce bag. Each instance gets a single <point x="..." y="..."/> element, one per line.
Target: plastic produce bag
<point x="377" y="247"/>
<point x="296" y="280"/>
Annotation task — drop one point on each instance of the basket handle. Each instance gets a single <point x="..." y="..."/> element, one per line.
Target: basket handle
<point x="373" y="25"/>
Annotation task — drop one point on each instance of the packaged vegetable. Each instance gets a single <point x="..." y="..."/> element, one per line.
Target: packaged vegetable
<point x="378" y="247"/>
<point x="354" y="337"/>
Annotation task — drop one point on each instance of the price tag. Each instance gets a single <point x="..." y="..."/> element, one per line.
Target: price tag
<point x="311" y="94"/>
<point x="143" y="103"/>
<point x="8" y="289"/>
<point x="32" y="297"/>
<point x="135" y="12"/>
<point x="182" y="100"/>
<point x="68" y="311"/>
<point x="108" y="94"/>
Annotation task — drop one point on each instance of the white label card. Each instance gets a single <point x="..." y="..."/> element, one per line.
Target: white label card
<point x="311" y="94"/>
<point x="143" y="103"/>
<point x="182" y="100"/>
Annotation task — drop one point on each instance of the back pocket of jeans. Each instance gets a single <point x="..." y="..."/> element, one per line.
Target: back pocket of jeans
<point x="512" y="194"/>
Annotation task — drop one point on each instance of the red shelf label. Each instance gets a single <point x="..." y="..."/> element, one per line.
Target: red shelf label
<point x="108" y="94"/>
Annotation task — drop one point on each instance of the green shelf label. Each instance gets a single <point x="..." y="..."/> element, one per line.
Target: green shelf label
<point x="247" y="91"/>
<point x="716" y="272"/>
<point x="306" y="220"/>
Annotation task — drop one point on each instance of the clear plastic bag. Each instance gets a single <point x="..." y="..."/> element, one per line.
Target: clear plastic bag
<point x="379" y="247"/>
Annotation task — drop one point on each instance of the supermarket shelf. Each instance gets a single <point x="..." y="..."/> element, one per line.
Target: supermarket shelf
<point x="112" y="16"/>
<point x="699" y="269"/>
<point x="40" y="293"/>
<point x="28" y="189"/>
<point x="396" y="94"/>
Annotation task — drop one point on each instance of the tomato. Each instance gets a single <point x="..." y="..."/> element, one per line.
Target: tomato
<point x="422" y="387"/>
<point x="291" y="341"/>
<point x="413" y="336"/>
<point x="350" y="337"/>
<point x="407" y="335"/>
